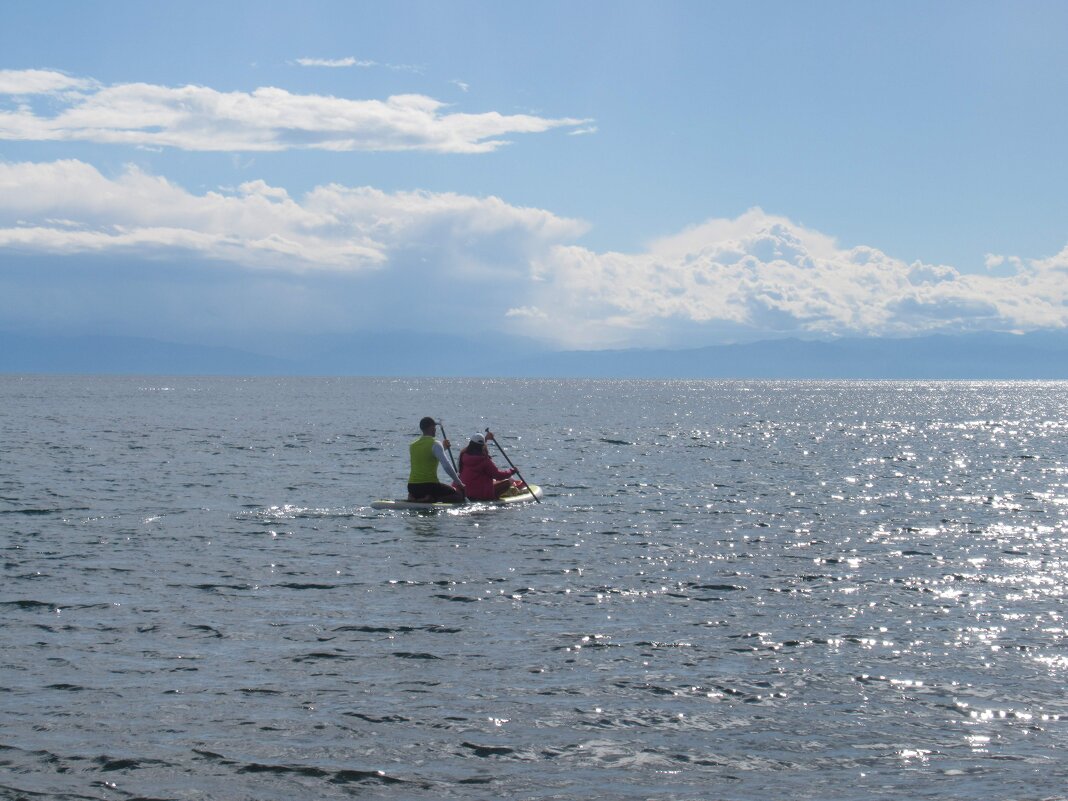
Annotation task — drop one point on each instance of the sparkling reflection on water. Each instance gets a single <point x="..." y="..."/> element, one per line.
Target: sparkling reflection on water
<point x="732" y="590"/>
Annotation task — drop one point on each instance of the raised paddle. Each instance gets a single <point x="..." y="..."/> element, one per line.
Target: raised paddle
<point x="449" y="450"/>
<point x="505" y="455"/>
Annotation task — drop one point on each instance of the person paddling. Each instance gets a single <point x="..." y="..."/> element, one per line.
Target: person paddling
<point x="426" y="454"/>
<point x="482" y="479"/>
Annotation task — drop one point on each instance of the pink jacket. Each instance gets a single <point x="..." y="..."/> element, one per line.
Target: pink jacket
<point x="478" y="473"/>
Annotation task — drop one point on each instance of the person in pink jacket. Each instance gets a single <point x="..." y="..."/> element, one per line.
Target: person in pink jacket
<point x="481" y="479"/>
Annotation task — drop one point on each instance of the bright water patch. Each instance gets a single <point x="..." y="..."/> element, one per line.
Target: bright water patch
<point x="732" y="590"/>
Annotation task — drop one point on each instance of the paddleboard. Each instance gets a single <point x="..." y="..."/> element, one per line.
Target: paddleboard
<point x="520" y="496"/>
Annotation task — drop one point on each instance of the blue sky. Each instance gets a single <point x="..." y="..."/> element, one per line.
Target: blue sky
<point x="593" y="174"/>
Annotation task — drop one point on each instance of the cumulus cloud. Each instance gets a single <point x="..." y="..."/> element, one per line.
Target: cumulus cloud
<point x="761" y="275"/>
<point x="426" y="256"/>
<point x="267" y="119"/>
<point x="69" y="207"/>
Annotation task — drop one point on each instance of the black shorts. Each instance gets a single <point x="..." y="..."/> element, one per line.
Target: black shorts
<point x="435" y="492"/>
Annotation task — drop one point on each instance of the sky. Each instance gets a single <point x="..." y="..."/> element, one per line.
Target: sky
<point x="587" y="174"/>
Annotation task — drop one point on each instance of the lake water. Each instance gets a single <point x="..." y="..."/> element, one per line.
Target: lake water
<point x="732" y="590"/>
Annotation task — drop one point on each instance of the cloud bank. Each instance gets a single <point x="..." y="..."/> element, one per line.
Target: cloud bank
<point x="519" y="269"/>
<point x="199" y="118"/>
<point x="69" y="207"/>
<point x="761" y="275"/>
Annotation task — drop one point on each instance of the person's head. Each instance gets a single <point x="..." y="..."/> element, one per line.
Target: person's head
<point x="427" y="425"/>
<point x="476" y="445"/>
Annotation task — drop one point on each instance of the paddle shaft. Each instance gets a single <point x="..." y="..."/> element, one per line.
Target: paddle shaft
<point x="450" y="451"/>
<point x="505" y="455"/>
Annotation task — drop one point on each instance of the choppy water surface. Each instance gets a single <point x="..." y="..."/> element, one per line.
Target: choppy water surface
<point x="825" y="590"/>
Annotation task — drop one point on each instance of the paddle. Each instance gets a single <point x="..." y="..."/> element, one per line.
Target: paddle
<point x="505" y="455"/>
<point x="449" y="449"/>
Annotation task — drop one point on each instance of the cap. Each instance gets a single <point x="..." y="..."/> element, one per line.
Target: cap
<point x="481" y="440"/>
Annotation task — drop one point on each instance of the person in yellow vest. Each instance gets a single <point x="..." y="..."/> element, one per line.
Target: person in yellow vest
<point x="427" y="453"/>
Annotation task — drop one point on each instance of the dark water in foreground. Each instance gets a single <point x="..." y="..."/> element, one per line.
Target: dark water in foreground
<point x="803" y="590"/>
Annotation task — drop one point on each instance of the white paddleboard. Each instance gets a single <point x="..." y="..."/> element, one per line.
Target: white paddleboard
<point x="521" y="496"/>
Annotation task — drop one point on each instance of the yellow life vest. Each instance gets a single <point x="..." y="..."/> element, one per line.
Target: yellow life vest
<point x="424" y="462"/>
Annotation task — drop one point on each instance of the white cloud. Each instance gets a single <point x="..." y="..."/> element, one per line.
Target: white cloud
<point x="68" y="207"/>
<point x="484" y="264"/>
<point x="335" y="62"/>
<point x="36" y="82"/>
<point x="267" y="119"/>
<point x="759" y="275"/>
<point x="527" y="312"/>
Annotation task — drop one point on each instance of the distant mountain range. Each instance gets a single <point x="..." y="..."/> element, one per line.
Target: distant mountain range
<point x="974" y="356"/>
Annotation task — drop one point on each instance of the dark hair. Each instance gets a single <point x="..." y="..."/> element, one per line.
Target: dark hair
<point x="426" y="424"/>
<point x="474" y="448"/>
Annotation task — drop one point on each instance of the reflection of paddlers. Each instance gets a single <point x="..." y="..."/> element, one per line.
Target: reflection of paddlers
<point x="483" y="480"/>
<point x="426" y="454"/>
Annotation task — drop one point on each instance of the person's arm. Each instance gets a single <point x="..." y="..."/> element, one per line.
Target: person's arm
<point x="440" y="453"/>
<point x="495" y="472"/>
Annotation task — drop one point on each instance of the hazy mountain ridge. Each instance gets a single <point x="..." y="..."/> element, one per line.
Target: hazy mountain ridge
<point x="976" y="356"/>
<point x="1042" y="355"/>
